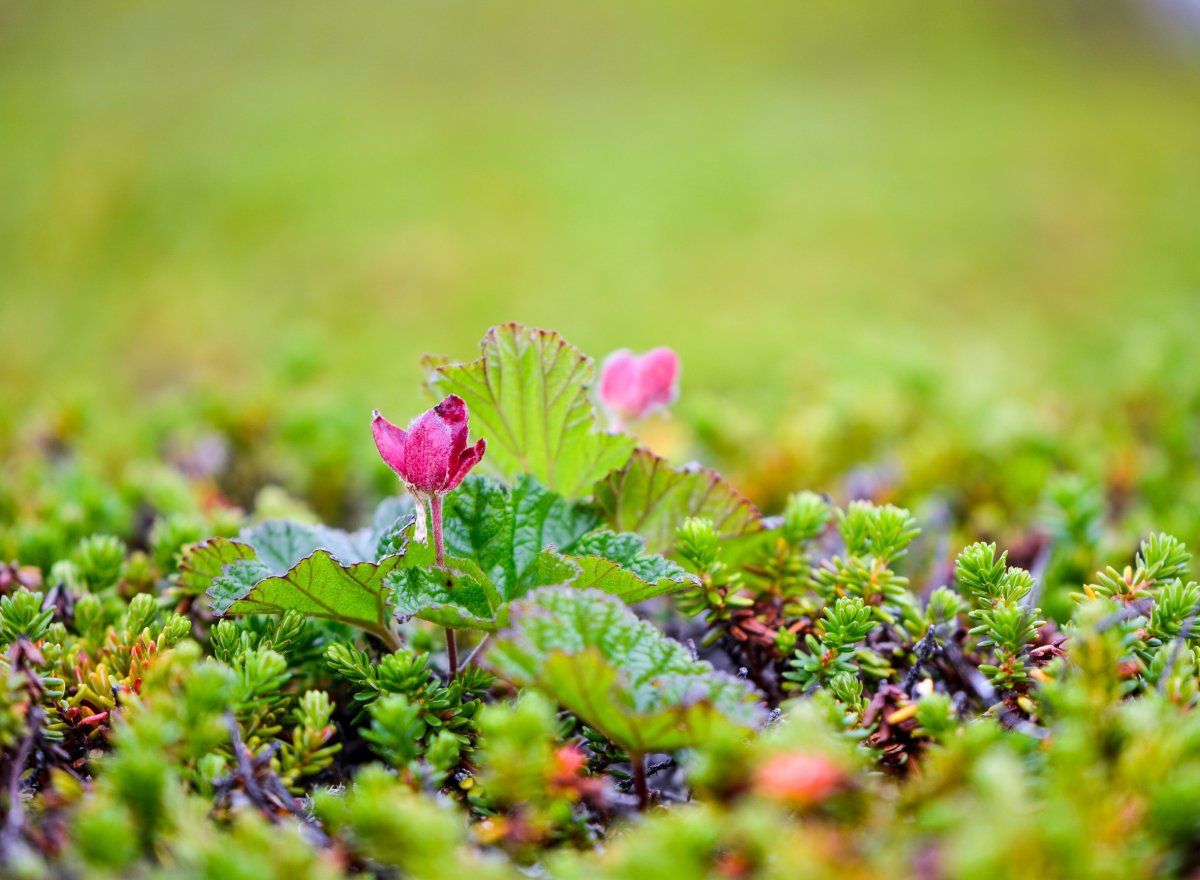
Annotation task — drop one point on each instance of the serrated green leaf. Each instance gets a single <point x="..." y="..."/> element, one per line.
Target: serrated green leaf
<point x="460" y="596"/>
<point x="322" y="586"/>
<point x="237" y="579"/>
<point x="595" y="572"/>
<point x="514" y="536"/>
<point x="229" y="568"/>
<point x="619" y="674"/>
<point x="280" y="544"/>
<point x="506" y="529"/>
<point x="206" y="561"/>
<point x="651" y="498"/>
<point x="528" y="395"/>
<point x="629" y="550"/>
<point x="281" y="566"/>
<point x="502" y="542"/>
<point x="616" y="564"/>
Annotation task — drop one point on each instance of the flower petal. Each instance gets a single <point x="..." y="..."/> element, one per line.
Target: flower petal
<point x="390" y="440"/>
<point x="453" y="411"/>
<point x="633" y="386"/>
<point x="658" y="379"/>
<point x="619" y="382"/>
<point x="427" y="453"/>
<point x="467" y="460"/>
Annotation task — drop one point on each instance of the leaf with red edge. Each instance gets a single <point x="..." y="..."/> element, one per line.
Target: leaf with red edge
<point x="619" y="674"/>
<point x="528" y="395"/>
<point x="321" y="586"/>
<point x="233" y="562"/>
<point x="280" y="566"/>
<point x="650" y="497"/>
<point x="204" y="562"/>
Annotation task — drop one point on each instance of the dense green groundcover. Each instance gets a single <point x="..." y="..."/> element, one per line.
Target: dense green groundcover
<point x="200" y="679"/>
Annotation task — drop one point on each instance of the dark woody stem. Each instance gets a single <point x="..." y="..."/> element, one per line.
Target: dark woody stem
<point x="452" y="653"/>
<point x="439" y="546"/>
<point x="637" y="763"/>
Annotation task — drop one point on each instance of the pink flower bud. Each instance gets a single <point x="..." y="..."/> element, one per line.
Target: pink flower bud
<point x="432" y="456"/>
<point x="633" y="386"/>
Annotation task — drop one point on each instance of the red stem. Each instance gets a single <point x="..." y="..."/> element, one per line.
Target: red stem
<point x="637" y="763"/>
<point x="452" y="653"/>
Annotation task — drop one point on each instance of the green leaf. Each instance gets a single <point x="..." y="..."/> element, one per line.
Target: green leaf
<point x="281" y="566"/>
<point x="502" y="542"/>
<point x="237" y="579"/>
<point x="629" y="550"/>
<point x="506" y="529"/>
<point x="528" y="395"/>
<point x="619" y="674"/>
<point x="651" y="498"/>
<point x="460" y="596"/>
<point x="280" y="544"/>
<point x="271" y="548"/>
<point x="594" y="572"/>
<point x="206" y="561"/>
<point x="322" y="586"/>
<point x="616" y="564"/>
<point x="505" y="541"/>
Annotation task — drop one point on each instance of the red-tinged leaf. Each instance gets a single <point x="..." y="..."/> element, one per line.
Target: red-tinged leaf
<point x="650" y="497"/>
<point x="528" y="395"/>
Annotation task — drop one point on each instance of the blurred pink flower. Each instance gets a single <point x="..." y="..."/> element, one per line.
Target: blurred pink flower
<point x="799" y="778"/>
<point x="432" y="456"/>
<point x="633" y="386"/>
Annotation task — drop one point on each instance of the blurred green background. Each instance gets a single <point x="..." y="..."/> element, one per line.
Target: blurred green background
<point x="888" y="236"/>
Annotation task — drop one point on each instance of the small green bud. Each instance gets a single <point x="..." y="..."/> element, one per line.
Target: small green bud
<point x="100" y="559"/>
<point x="944" y="605"/>
<point x="805" y="517"/>
<point x="698" y="543"/>
<point x="443" y="752"/>
<point x="396" y="730"/>
<point x="21" y="615"/>
<point x="935" y="715"/>
<point x="143" y="608"/>
<point x="785" y="641"/>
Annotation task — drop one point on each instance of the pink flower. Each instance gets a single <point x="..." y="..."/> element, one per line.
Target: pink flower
<point x="799" y="779"/>
<point x="432" y="456"/>
<point x="569" y="760"/>
<point x="633" y="386"/>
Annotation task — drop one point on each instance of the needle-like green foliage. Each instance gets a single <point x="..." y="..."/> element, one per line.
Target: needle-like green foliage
<point x="646" y="675"/>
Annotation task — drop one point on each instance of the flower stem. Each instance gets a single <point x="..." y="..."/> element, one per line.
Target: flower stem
<point x="439" y="547"/>
<point x="389" y="638"/>
<point x="637" y="763"/>
<point x="452" y="653"/>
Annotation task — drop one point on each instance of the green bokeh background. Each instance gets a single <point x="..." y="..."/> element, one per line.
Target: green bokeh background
<point x="993" y="206"/>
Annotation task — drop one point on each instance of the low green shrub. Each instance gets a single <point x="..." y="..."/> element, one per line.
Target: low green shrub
<point x="581" y="661"/>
